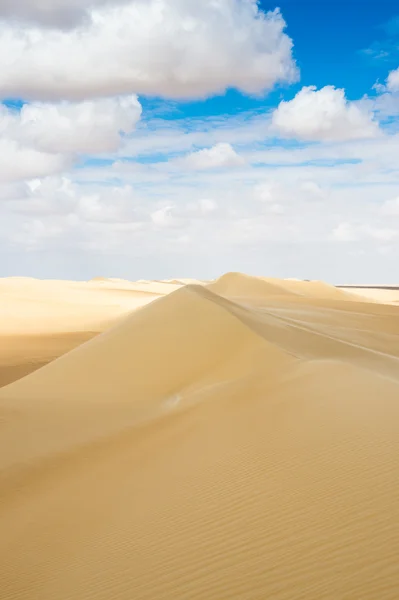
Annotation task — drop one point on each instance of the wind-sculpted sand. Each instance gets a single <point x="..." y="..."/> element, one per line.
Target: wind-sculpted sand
<point x="41" y="320"/>
<point x="233" y="440"/>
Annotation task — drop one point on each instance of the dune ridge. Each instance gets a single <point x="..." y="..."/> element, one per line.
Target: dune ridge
<point x="41" y="320"/>
<point x="227" y="440"/>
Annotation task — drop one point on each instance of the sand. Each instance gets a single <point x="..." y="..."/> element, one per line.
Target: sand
<point x="237" y="439"/>
<point x="386" y="294"/>
<point x="41" y="320"/>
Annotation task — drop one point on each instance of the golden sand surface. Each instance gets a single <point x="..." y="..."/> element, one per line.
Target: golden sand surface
<point x="41" y="320"/>
<point x="385" y="294"/>
<point x="231" y="440"/>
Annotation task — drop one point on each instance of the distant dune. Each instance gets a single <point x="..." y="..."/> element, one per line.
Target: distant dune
<point x="227" y="440"/>
<point x="382" y="293"/>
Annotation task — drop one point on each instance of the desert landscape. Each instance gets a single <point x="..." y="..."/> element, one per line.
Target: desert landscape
<point x="235" y="438"/>
<point x="199" y="300"/>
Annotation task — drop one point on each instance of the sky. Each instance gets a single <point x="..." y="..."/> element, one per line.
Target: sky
<point x="156" y="139"/>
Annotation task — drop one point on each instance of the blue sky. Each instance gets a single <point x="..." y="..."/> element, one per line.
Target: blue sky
<point x="346" y="43"/>
<point x="330" y="38"/>
<point x="139" y="129"/>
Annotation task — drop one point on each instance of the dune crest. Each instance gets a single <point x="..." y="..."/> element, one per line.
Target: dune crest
<point x="235" y="439"/>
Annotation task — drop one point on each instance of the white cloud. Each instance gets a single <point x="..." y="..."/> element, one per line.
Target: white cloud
<point x="347" y="232"/>
<point x="45" y="139"/>
<point x="385" y="104"/>
<point x="52" y="13"/>
<point x="57" y="197"/>
<point x="270" y="191"/>
<point x="166" y="136"/>
<point x="312" y="190"/>
<point x="86" y="127"/>
<point x="277" y="196"/>
<point x="384" y="234"/>
<point x="47" y="196"/>
<point x="166" y="217"/>
<point x="67" y="128"/>
<point x="19" y="162"/>
<point x="323" y="114"/>
<point x="196" y="49"/>
<point x="273" y="195"/>
<point x="393" y="81"/>
<point x="12" y="191"/>
<point x="157" y="229"/>
<point x="115" y="205"/>
<point x="206" y="206"/>
<point x="391" y="207"/>
<point x="221" y="155"/>
<point x="203" y="208"/>
<point x="275" y="218"/>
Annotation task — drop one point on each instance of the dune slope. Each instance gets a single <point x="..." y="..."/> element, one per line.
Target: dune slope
<point x="234" y="441"/>
<point x="42" y="320"/>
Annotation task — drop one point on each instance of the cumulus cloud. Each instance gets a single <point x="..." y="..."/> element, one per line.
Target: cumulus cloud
<point x="272" y="195"/>
<point x="46" y="196"/>
<point x="59" y="196"/>
<point x="221" y="155"/>
<point x="166" y="217"/>
<point x="86" y="127"/>
<point x="67" y="128"/>
<point x="276" y="196"/>
<point x="116" y="206"/>
<point x="323" y="114"/>
<point x="51" y="13"/>
<point x="44" y="139"/>
<point x="269" y="191"/>
<point x="196" y="49"/>
<point x="18" y="162"/>
<point x="385" y="103"/>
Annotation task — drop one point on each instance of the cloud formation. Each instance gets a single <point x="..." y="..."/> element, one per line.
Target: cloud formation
<point x="391" y="208"/>
<point x="43" y="139"/>
<point x="221" y="155"/>
<point x="197" y="49"/>
<point x="160" y="187"/>
<point x="62" y="14"/>
<point x="347" y="232"/>
<point x="66" y="127"/>
<point x="323" y="114"/>
<point x="19" y="162"/>
<point x="393" y="81"/>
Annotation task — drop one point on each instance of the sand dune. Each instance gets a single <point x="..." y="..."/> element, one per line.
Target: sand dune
<point x="41" y="320"/>
<point x="386" y="294"/>
<point x="235" y="440"/>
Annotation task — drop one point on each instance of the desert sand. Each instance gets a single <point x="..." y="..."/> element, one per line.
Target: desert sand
<point x="386" y="294"/>
<point x="236" y="440"/>
<point x="41" y="320"/>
